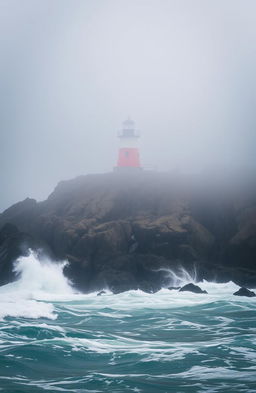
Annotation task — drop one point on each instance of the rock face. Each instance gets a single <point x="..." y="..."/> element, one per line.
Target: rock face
<point x="192" y="288"/>
<point x="244" y="292"/>
<point x="174" y="288"/>
<point x="125" y="231"/>
<point x="12" y="245"/>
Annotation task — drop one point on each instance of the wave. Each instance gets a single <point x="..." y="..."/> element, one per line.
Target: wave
<point x="37" y="280"/>
<point x="37" y="276"/>
<point x="41" y="283"/>
<point x="132" y="341"/>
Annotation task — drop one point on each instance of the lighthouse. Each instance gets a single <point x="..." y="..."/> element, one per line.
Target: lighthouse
<point x="128" y="155"/>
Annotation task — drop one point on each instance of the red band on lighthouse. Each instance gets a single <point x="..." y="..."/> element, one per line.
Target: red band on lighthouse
<point x="128" y="157"/>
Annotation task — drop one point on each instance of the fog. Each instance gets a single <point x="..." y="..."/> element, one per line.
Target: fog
<point x="72" y="70"/>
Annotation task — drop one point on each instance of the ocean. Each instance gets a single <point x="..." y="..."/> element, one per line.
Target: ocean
<point x="53" y="339"/>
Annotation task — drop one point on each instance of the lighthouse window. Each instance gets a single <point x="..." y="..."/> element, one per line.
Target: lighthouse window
<point x="126" y="153"/>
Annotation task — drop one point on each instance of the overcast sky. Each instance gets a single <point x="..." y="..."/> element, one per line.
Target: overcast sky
<point x="72" y="70"/>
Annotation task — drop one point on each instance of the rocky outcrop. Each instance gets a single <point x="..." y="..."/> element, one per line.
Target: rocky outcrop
<point x="191" y="288"/>
<point x="174" y="288"/>
<point x="13" y="244"/>
<point x="244" y="292"/>
<point x="126" y="231"/>
<point x="101" y="293"/>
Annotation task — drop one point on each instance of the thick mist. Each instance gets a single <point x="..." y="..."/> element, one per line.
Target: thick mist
<point x="71" y="72"/>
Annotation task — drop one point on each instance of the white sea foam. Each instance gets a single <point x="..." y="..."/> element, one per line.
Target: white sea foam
<point x="26" y="309"/>
<point x="38" y="277"/>
<point x="37" y="280"/>
<point x="42" y="282"/>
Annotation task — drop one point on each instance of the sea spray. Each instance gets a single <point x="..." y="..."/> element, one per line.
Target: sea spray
<point x="53" y="339"/>
<point x="37" y="280"/>
<point x="41" y="275"/>
<point x="179" y="276"/>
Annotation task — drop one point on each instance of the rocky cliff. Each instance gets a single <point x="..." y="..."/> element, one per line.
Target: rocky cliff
<point x="126" y="231"/>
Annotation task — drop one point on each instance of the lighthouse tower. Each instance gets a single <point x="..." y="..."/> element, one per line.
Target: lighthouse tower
<point x="128" y="155"/>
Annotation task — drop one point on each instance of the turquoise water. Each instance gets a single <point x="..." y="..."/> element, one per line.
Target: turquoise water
<point x="52" y="339"/>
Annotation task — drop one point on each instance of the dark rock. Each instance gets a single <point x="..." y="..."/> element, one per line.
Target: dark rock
<point x="174" y="288"/>
<point x="149" y="287"/>
<point x="244" y="292"/>
<point x="126" y="231"/>
<point x="13" y="244"/>
<point x="192" y="288"/>
<point x="101" y="293"/>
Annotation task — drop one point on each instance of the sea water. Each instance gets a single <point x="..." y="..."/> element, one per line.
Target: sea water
<point x="53" y="339"/>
